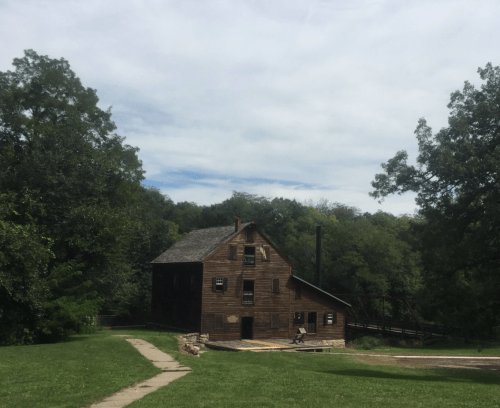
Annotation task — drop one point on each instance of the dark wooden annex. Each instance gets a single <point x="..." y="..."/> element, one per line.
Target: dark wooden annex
<point x="233" y="283"/>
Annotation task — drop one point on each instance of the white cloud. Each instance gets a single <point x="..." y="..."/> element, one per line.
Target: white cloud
<point x="315" y="94"/>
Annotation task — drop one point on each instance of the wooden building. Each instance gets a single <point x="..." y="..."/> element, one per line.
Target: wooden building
<point x="233" y="283"/>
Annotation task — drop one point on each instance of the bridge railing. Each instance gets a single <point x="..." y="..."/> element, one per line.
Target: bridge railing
<point x="403" y="328"/>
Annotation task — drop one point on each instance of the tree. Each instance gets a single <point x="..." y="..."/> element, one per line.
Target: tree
<point x="73" y="183"/>
<point x="24" y="258"/>
<point x="457" y="181"/>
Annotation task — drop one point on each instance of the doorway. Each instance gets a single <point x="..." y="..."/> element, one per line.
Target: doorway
<point x="311" y="322"/>
<point x="246" y="328"/>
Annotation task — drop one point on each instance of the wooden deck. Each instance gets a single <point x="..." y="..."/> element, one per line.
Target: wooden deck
<point x="266" y="345"/>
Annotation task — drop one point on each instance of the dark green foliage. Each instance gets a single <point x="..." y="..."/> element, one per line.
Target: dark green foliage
<point x="24" y="258"/>
<point x="368" y="343"/>
<point x="80" y="230"/>
<point x="457" y="185"/>
<point x="362" y="254"/>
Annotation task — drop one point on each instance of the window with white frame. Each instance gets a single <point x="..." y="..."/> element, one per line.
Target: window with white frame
<point x="248" y="291"/>
<point x="249" y="256"/>
<point x="219" y="284"/>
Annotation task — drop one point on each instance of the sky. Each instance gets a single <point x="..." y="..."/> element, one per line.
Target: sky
<point x="295" y="99"/>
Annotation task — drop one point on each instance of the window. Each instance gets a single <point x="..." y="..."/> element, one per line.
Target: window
<point x="248" y="291"/>
<point x="265" y="250"/>
<point x="219" y="284"/>
<point x="311" y="322"/>
<point x="330" y="318"/>
<point x="232" y="252"/>
<point x="176" y="282"/>
<point x="298" y="318"/>
<point x="249" y="234"/>
<point x="298" y="292"/>
<point x="193" y="281"/>
<point x="249" y="256"/>
<point x="275" y="285"/>
<point x="275" y="321"/>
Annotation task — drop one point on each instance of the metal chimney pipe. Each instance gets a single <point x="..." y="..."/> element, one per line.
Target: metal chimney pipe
<point x="318" y="255"/>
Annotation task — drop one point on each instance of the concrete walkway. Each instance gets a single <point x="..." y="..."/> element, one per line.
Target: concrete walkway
<point x="172" y="370"/>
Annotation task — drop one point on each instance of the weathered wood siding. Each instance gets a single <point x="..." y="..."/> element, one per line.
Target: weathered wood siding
<point x="176" y="295"/>
<point x="229" y="303"/>
<point x="314" y="301"/>
<point x="183" y="295"/>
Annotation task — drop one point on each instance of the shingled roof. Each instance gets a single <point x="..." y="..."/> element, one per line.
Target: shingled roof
<point x="198" y="244"/>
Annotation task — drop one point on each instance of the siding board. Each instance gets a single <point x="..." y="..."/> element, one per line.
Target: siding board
<point x="219" y="313"/>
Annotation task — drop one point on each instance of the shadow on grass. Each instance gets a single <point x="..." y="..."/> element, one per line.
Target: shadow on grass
<point x="446" y="375"/>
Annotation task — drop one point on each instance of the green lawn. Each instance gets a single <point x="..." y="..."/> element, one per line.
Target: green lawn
<point x="71" y="374"/>
<point x="434" y="346"/>
<point x="74" y="373"/>
<point x="273" y="379"/>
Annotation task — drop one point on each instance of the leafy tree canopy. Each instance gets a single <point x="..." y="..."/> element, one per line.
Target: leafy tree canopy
<point x="74" y="190"/>
<point x="457" y="181"/>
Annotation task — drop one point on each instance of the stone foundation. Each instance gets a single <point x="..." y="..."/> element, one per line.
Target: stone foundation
<point x="191" y="343"/>
<point x="330" y="343"/>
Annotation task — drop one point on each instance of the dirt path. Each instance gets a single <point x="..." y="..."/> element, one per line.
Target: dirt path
<point x="172" y="370"/>
<point x="430" y="361"/>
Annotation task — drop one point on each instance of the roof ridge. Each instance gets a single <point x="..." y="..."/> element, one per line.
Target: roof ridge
<point x="223" y="226"/>
<point x="199" y="244"/>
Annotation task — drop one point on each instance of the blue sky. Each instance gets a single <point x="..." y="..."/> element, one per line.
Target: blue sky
<point x="295" y="99"/>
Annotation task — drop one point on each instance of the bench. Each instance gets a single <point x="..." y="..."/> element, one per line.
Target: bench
<point x="299" y="337"/>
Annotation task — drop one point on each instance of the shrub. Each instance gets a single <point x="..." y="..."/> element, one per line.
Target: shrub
<point x="368" y="343"/>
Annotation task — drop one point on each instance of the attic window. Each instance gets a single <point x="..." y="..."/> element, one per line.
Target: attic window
<point x="249" y="234"/>
<point x="232" y="252"/>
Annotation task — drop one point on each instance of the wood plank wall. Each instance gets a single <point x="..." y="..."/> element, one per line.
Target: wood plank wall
<point x="181" y="305"/>
<point x="230" y="303"/>
<point x="314" y="301"/>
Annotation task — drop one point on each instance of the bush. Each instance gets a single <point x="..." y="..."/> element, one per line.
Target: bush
<point x="367" y="343"/>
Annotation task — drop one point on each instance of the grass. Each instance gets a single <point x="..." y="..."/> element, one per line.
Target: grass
<point x="242" y="379"/>
<point x="457" y="347"/>
<point x="71" y="374"/>
<point x="75" y="373"/>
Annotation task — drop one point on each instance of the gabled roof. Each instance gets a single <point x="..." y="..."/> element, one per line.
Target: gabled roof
<point x="302" y="281"/>
<point x="198" y="244"/>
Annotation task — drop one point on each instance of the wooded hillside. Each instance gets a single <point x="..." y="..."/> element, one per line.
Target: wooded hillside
<point x="78" y="229"/>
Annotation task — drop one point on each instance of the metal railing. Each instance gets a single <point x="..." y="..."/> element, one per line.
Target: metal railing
<point x="403" y="328"/>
